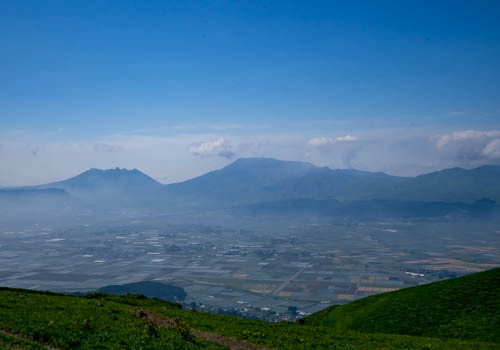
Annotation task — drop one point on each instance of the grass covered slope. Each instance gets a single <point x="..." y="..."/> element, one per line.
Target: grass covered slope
<point x="466" y="307"/>
<point x="68" y="322"/>
<point x="38" y="320"/>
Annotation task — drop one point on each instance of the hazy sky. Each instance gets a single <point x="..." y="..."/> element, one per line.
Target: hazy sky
<point x="177" y="88"/>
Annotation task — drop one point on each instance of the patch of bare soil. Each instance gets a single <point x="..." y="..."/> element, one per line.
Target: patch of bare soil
<point x="17" y="336"/>
<point x="234" y="344"/>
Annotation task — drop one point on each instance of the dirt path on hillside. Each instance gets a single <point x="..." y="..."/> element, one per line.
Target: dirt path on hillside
<point x="20" y="337"/>
<point x="234" y="344"/>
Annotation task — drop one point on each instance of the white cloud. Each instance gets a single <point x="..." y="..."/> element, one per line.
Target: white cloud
<point x="218" y="147"/>
<point x="470" y="145"/>
<point x="325" y="141"/>
<point x="492" y="149"/>
<point x="34" y="161"/>
<point x="341" y="149"/>
<point x="29" y="158"/>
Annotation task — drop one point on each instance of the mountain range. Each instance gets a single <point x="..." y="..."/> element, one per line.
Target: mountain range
<point x="270" y="185"/>
<point x="250" y="180"/>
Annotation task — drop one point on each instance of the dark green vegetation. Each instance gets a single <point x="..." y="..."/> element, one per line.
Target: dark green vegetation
<point x="466" y="307"/>
<point x="10" y="342"/>
<point x="111" y="322"/>
<point x="148" y="288"/>
<point x="71" y="322"/>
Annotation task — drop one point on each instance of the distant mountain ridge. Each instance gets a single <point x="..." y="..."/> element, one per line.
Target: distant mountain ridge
<point x="277" y="184"/>
<point x="254" y="180"/>
<point x="111" y="179"/>
<point x="451" y="185"/>
<point x="109" y="188"/>
<point x="251" y="180"/>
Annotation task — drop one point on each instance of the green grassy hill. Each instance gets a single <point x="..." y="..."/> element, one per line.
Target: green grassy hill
<point x="42" y="320"/>
<point x="466" y="307"/>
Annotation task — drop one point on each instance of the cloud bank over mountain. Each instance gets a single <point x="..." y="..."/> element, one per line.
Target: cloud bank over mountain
<point x="29" y="159"/>
<point x="346" y="147"/>
<point x="219" y="147"/>
<point x="327" y="141"/>
<point x="470" y="145"/>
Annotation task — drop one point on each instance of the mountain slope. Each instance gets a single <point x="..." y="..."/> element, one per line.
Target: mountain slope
<point x="43" y="319"/>
<point x="32" y="204"/>
<point x="65" y="322"/>
<point x="370" y="209"/>
<point x="96" y="180"/>
<point x="247" y="179"/>
<point x="452" y="185"/>
<point x="110" y="189"/>
<point x="255" y="180"/>
<point x="466" y="307"/>
<point x="252" y="180"/>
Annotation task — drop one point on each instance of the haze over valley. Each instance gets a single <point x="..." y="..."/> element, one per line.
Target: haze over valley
<point x="262" y="238"/>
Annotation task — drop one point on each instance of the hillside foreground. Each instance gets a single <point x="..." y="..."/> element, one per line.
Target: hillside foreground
<point x="43" y="320"/>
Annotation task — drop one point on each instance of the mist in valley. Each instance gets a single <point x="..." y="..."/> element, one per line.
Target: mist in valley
<point x="279" y="240"/>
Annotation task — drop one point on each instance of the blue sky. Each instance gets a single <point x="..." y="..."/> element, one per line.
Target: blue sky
<point x="246" y="78"/>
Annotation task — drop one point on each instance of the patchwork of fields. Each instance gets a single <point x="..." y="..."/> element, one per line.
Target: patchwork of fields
<point x="260" y="271"/>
